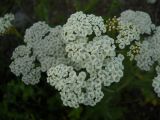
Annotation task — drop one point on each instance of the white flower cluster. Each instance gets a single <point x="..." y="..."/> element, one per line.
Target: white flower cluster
<point x="80" y="58"/>
<point x="73" y="87"/>
<point x="95" y="62"/>
<point x="82" y="87"/>
<point x="5" y="22"/>
<point x="147" y="52"/>
<point x="112" y="70"/>
<point x="143" y="50"/>
<point x="142" y="54"/>
<point x="154" y="42"/>
<point x="47" y="44"/>
<point x="144" y="59"/>
<point x="151" y="1"/>
<point x="23" y="64"/>
<point x="131" y="25"/>
<point x="141" y="19"/>
<point x="92" y="54"/>
<point x="128" y="32"/>
<point x="156" y="82"/>
<point x="44" y="48"/>
<point x="81" y="25"/>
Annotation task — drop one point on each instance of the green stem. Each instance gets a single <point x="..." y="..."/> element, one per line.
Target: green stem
<point x="17" y="33"/>
<point x="108" y="90"/>
<point x="123" y="86"/>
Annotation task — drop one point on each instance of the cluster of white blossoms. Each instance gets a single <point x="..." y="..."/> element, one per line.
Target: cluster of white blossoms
<point x="92" y="54"/>
<point x="156" y="82"/>
<point x="112" y="70"/>
<point x="47" y="44"/>
<point x="74" y="88"/>
<point x="82" y="87"/>
<point x="80" y="58"/>
<point x="144" y="50"/>
<point x="132" y="24"/>
<point x="23" y="64"/>
<point x="142" y="54"/>
<point x="95" y="61"/>
<point x="5" y="22"/>
<point x="147" y="52"/>
<point x="151" y="1"/>
<point x="154" y="42"/>
<point x="80" y="25"/>
<point x="128" y="32"/>
<point x="44" y="48"/>
<point x="140" y="19"/>
<point x="78" y="63"/>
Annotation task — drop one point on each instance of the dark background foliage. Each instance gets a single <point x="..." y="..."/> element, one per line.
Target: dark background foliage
<point x="131" y="99"/>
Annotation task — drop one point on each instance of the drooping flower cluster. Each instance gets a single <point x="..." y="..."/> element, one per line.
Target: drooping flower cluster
<point x="5" y="22"/>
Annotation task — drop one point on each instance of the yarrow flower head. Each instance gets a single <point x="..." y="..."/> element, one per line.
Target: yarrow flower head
<point x="43" y="49"/>
<point x="154" y="42"/>
<point x="82" y="25"/>
<point x="46" y="43"/>
<point x="5" y="22"/>
<point x="112" y="70"/>
<point x="80" y="57"/>
<point x="155" y="46"/>
<point x="156" y="82"/>
<point x="74" y="90"/>
<point x="151" y="1"/>
<point x="148" y="51"/>
<point x="92" y="54"/>
<point x="128" y="32"/>
<point x="95" y="62"/>
<point x="141" y="19"/>
<point x="142" y="54"/>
